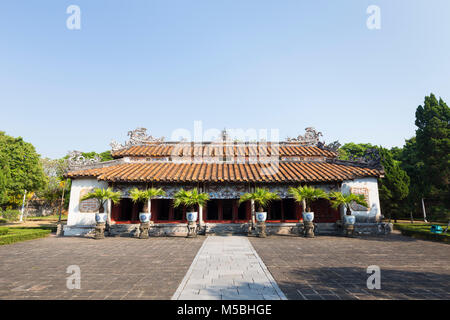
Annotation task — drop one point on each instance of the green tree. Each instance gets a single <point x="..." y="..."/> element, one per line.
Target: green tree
<point x="51" y="192"/>
<point x="21" y="168"/>
<point x="394" y="186"/>
<point x="104" y="156"/>
<point x="5" y="177"/>
<point x="433" y="149"/>
<point x="350" y="151"/>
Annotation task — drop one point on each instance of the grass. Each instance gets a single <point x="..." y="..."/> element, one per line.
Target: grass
<point x="53" y="217"/>
<point x="21" y="234"/>
<point x="422" y="231"/>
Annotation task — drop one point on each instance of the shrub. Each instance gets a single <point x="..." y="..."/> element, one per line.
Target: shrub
<point x="422" y="231"/>
<point x="22" y="234"/>
<point x="3" y="231"/>
<point x="11" y="215"/>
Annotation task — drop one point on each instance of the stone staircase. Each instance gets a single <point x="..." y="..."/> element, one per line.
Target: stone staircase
<point x="227" y="229"/>
<point x="327" y="229"/>
<point x="124" y="230"/>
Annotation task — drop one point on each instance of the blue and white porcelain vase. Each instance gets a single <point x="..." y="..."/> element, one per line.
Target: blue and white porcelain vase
<point x="101" y="217"/>
<point x="191" y="216"/>
<point x="308" y="216"/>
<point x="145" y="217"/>
<point x="349" y="219"/>
<point x="261" y="216"/>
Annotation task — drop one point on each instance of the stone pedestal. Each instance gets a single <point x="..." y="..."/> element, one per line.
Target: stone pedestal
<point x="192" y="229"/>
<point x="100" y="231"/>
<point x="308" y="229"/>
<point x="261" y="229"/>
<point x="251" y="228"/>
<point x="349" y="230"/>
<point x="143" y="230"/>
<point x="59" y="230"/>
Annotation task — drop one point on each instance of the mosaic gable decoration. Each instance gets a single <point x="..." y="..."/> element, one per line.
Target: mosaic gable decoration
<point x="76" y="159"/>
<point x="365" y="193"/>
<point x="311" y="137"/>
<point x="137" y="136"/>
<point x="226" y="191"/>
<point x="90" y="205"/>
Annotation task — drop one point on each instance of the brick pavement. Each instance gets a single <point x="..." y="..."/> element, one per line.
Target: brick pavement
<point x="228" y="268"/>
<point x="333" y="268"/>
<point x="112" y="268"/>
<point x="320" y="268"/>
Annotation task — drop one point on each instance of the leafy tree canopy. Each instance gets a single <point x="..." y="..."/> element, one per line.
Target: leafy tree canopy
<point x="20" y="167"/>
<point x="352" y="150"/>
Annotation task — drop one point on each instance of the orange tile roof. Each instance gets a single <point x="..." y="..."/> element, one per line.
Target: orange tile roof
<point x="224" y="172"/>
<point x="214" y="150"/>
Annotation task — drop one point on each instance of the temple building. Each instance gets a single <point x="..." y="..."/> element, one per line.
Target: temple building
<point x="225" y="170"/>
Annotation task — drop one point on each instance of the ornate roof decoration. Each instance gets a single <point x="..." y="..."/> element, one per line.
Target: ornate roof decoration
<point x="333" y="146"/>
<point x="371" y="157"/>
<point x="310" y="139"/>
<point x="76" y="159"/>
<point x="138" y="137"/>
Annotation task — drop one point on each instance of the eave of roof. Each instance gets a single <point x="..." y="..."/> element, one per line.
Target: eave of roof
<point x="282" y="172"/>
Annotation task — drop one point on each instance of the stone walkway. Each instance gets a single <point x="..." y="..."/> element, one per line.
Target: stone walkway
<point x="228" y="268"/>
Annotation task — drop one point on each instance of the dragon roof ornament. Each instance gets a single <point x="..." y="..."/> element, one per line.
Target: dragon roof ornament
<point x="310" y="139"/>
<point x="76" y="159"/>
<point x="138" y="137"/>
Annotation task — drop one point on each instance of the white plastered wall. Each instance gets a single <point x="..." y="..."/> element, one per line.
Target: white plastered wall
<point x="374" y="200"/>
<point x="77" y="218"/>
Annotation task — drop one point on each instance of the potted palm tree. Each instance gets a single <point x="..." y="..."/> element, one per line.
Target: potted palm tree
<point x="261" y="197"/>
<point x="306" y="195"/>
<point x="146" y="197"/>
<point x="190" y="199"/>
<point x="346" y="200"/>
<point x="102" y="196"/>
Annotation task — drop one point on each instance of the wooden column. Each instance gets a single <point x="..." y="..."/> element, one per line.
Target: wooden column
<point x="200" y="215"/>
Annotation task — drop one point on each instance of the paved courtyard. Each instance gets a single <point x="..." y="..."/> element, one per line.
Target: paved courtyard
<point x="334" y="268"/>
<point x="225" y="268"/>
<point x="112" y="268"/>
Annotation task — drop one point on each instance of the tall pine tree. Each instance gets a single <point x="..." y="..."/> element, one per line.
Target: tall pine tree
<point x="394" y="187"/>
<point x="433" y="150"/>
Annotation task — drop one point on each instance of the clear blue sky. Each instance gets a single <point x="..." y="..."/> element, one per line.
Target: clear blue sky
<point x="236" y="64"/>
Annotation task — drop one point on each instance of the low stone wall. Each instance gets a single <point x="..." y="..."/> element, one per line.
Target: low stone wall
<point x="380" y="228"/>
<point x="180" y="229"/>
<point x="77" y="231"/>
